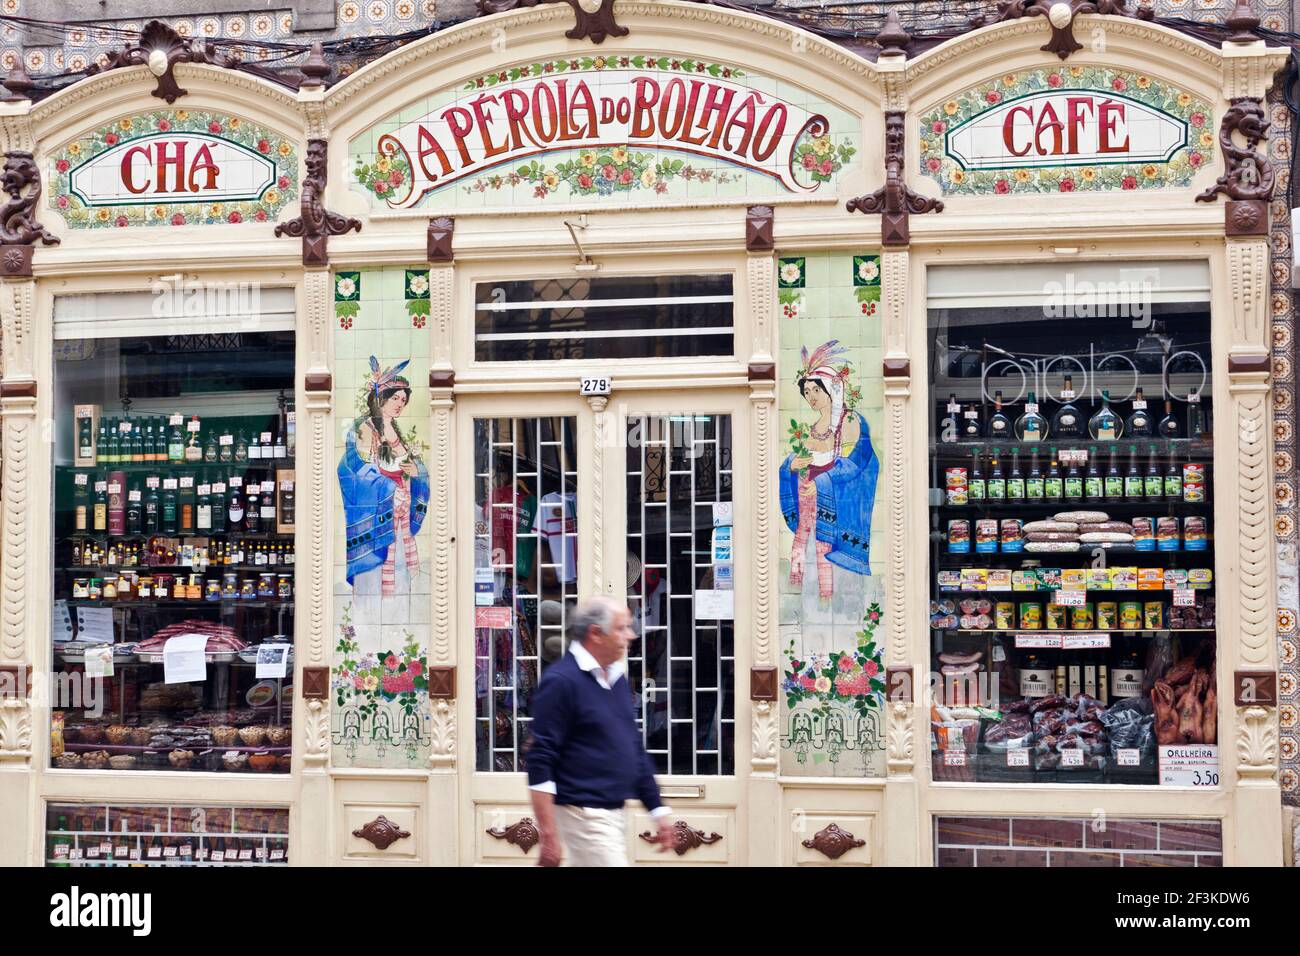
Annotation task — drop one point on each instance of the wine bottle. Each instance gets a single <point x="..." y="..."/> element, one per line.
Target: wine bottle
<point x="1068" y="421"/>
<point x="1114" y="481"/>
<point x="1127" y="672"/>
<point x="1094" y="488"/>
<point x="975" y="489"/>
<point x="241" y="446"/>
<point x="1173" y="478"/>
<point x="193" y="443"/>
<point x="203" y="513"/>
<point x="117" y="502"/>
<point x="235" y="504"/>
<point x="175" y="442"/>
<point x="1053" y="484"/>
<point x="1105" y="424"/>
<point x="1138" y="424"/>
<point x="169" y="510"/>
<point x="100" y="505"/>
<point x="1036" y="674"/>
<point x="1168" y="427"/>
<point x="1031" y="426"/>
<point x="1015" y="480"/>
<point x="185" y="504"/>
<point x="137" y="445"/>
<point x="281" y="450"/>
<point x="1034" y="484"/>
<point x="101" y="447"/>
<point x="152" y="505"/>
<point x="252" y="509"/>
<point x="1154" y="483"/>
<point x="997" y="483"/>
<point x="971" y="428"/>
<point x="80" y="500"/>
<point x="999" y="425"/>
<point x="218" y="506"/>
<point x="134" y="510"/>
<point x="225" y="448"/>
<point x="1133" y="477"/>
<point x="1073" y="480"/>
<point x="1195" y="417"/>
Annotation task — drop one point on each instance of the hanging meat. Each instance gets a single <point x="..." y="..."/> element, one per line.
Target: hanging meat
<point x="1210" y="722"/>
<point x="1191" y="709"/>
<point x="1162" y="700"/>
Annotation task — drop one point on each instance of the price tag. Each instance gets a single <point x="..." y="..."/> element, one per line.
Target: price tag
<point x="1070" y="598"/>
<point x="114" y="489"/>
<point x="277" y="854"/>
<point x="218" y="856"/>
<point x="106" y="848"/>
<point x="203" y="490"/>
<point x="75" y="854"/>
<point x="219" y="488"/>
<point x="135" y="853"/>
<point x="954" y="407"/>
<point x="187" y="850"/>
<point x="1018" y="757"/>
<point x="245" y="854"/>
<point x="155" y="853"/>
<point x="1189" y="765"/>
<point x="227" y="439"/>
<point x="1139" y="405"/>
<point x="1067" y="393"/>
<point x="1194" y="398"/>
<point x="1072" y="758"/>
<point x="954" y="758"/>
<point x="286" y="485"/>
<point x="1031" y="408"/>
<point x="1039" y="640"/>
<point x="236" y="481"/>
<point x="202" y="854"/>
<point x="1129" y="757"/>
<point x="261" y="853"/>
<point x="266" y="438"/>
<point x="971" y="414"/>
<point x="999" y="653"/>
<point x="92" y="852"/>
<point x="152" y="482"/>
<point x="60" y="851"/>
<point x="193" y="426"/>
<point x="169" y="484"/>
<point x="175" y="420"/>
<point x="187" y="481"/>
<point x="1085" y="641"/>
<point x="1184" y="597"/>
<point x="101" y="486"/>
<point x="268" y="487"/>
<point x="124" y="427"/>
<point x="268" y="511"/>
<point x="133" y="495"/>
<point x="596" y="385"/>
<point x="81" y="479"/>
<point x="169" y="851"/>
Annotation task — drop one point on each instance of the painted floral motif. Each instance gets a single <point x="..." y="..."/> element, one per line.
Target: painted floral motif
<point x="369" y="680"/>
<point x="601" y="172"/>
<point x="822" y="158"/>
<point x="385" y="176"/>
<point x="416" y="292"/>
<point x="791" y="277"/>
<point x="855" y="677"/>
<point x="262" y="141"/>
<point x="866" y="283"/>
<point x="585" y="63"/>
<point x="347" y="297"/>
<point x="1177" y="172"/>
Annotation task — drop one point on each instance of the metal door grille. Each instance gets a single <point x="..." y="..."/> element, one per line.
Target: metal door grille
<point x="525" y="572"/>
<point x="681" y="667"/>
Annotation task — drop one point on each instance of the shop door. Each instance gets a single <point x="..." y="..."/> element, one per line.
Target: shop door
<point x="634" y="501"/>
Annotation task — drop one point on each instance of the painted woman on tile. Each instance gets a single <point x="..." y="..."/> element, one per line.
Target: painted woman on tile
<point x="828" y="482"/>
<point x="385" y="490"/>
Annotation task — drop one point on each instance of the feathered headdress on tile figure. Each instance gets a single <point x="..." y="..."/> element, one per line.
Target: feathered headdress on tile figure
<point x="380" y="380"/>
<point x="835" y="380"/>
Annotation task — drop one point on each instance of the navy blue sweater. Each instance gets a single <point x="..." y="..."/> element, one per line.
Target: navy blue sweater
<point x="585" y="738"/>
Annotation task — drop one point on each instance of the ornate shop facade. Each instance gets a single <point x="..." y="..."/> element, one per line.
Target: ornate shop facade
<point x="879" y="390"/>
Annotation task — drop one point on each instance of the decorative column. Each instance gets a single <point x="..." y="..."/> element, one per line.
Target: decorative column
<point x="599" y="584"/>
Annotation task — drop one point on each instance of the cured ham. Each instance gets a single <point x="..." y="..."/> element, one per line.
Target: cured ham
<point x="220" y="637"/>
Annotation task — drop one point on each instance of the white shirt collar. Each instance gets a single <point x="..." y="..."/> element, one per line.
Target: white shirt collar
<point x="588" y="663"/>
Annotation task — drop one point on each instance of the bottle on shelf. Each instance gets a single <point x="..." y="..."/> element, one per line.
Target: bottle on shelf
<point x="1068" y="420"/>
<point x="134" y="510"/>
<point x="137" y="852"/>
<point x="1031" y="426"/>
<point x="117" y="502"/>
<point x="1133" y="485"/>
<point x="1139" y="423"/>
<point x="1105" y="425"/>
<point x="210" y="452"/>
<point x="170" y="516"/>
<point x="101" y="447"/>
<point x="1037" y="674"/>
<point x="61" y="838"/>
<point x="949" y="425"/>
<point x="85" y="438"/>
<point x="1127" y="669"/>
<point x="1034" y="482"/>
<point x="290" y="431"/>
<point x="160" y="450"/>
<point x="122" y="850"/>
<point x="1153" y="484"/>
<point x="81" y="500"/>
<point x="1073" y="480"/>
<point x="225" y="448"/>
<point x="1054" y="484"/>
<point x="235" y="504"/>
<point x="997" y="483"/>
<point x="1114" y="480"/>
<point x="999" y="426"/>
<point x="218" y="505"/>
<point x="193" y="443"/>
<point x="148" y="440"/>
<point x="156" y="846"/>
<point x="288" y="504"/>
<point x="152" y="505"/>
<point x="203" y="509"/>
<point x="970" y="428"/>
<point x="281" y="449"/>
<point x="1015" y="479"/>
<point x="1173" y="477"/>
<point x="175" y="441"/>
<point x="1195" y="417"/>
<point x="185" y="504"/>
<point x="1168" y="427"/>
<point x="241" y="446"/>
<point x="252" y="507"/>
<point x="1094" y="486"/>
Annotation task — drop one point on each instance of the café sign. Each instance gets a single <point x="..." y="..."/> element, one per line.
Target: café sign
<point x="605" y="126"/>
<point x="172" y="168"/>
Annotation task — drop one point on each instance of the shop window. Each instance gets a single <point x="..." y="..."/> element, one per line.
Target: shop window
<point x="1072" y="540"/>
<point x="174" y="511"/>
<point x="623" y="317"/>
<point x="525" y="573"/>
<point x="681" y="590"/>
<point x="99" y="835"/>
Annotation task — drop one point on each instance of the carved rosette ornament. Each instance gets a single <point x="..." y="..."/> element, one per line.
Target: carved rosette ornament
<point x="595" y="18"/>
<point x="1060" y="16"/>
<point x="1248" y="177"/>
<point x="894" y="200"/>
<point x="382" y="832"/>
<point x="19" y="230"/>
<point x="523" y="834"/>
<point x="160" y="48"/>
<point x="685" y="837"/>
<point x="832" y="842"/>
<point x="316" y="223"/>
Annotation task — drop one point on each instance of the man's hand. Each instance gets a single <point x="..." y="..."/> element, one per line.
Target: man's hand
<point x="667" y="836"/>
<point x="552" y="848"/>
<point x="544" y="810"/>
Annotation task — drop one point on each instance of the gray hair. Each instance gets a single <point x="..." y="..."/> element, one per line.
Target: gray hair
<point x="597" y="612"/>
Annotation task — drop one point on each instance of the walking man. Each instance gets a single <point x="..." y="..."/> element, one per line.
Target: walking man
<point x="586" y="757"/>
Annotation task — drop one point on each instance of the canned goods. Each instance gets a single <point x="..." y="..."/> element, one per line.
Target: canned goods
<point x="1031" y="616"/>
<point x="1144" y="534"/>
<point x="1130" y="616"/>
<point x="1083" y="618"/>
<point x="986" y="535"/>
<point x="1107" y="615"/>
<point x="956" y="477"/>
<point x="957" y="496"/>
<point x="1056" y="617"/>
<point x="1167" y="534"/>
<point x="959" y="537"/>
<point x="1193" y="473"/>
<point x="1012" y="535"/>
<point x="1193" y="493"/>
<point x="1005" y="616"/>
<point x="1153" y="615"/>
<point x="1195" y="535"/>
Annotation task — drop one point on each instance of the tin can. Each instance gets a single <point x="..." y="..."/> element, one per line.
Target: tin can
<point x="1153" y="615"/>
<point x="1194" y="493"/>
<point x="1107" y="615"/>
<point x="1167" y="534"/>
<point x="1013" y="536"/>
<point x="959" y="536"/>
<point x="1195" y="535"/>
<point x="1130" y="616"/>
<point x="1193" y="473"/>
<point x="957" y="496"/>
<point x="1144" y="534"/>
<point x="1005" y="616"/>
<point x="1083" y="618"/>
<point x="956" y="486"/>
<point x="986" y="535"/>
<point x="1057" y="614"/>
<point x="1031" y="616"/>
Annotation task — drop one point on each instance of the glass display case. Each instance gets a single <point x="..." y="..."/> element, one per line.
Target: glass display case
<point x="1072" y="612"/>
<point x="173" y="563"/>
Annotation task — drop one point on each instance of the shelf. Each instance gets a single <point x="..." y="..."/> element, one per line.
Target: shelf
<point x="948" y="562"/>
<point x="104" y="570"/>
<point x="971" y="632"/>
<point x="1045" y="445"/>
<point x="1052" y="507"/>
<point x="183" y="535"/>
<point x="161" y="468"/>
<point x="175" y="603"/>
<point x="1157" y="592"/>
<point x="134" y="749"/>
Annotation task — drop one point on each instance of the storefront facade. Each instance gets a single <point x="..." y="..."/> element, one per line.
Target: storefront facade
<point x="713" y="316"/>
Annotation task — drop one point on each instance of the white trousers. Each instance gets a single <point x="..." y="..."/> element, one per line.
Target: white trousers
<point x="591" y="836"/>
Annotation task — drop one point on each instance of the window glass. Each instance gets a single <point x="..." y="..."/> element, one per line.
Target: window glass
<point x="96" y="834"/>
<point x="1071" y="527"/>
<point x="173" y="563"/>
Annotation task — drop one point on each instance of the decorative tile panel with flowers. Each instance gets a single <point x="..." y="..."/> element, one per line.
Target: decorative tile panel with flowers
<point x="831" y="405"/>
<point x="1066" y="129"/>
<point x="639" y="128"/>
<point x="173" y="167"/>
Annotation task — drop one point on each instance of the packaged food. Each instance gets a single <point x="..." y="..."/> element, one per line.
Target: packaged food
<point x="1130" y="616"/>
<point x="1144" y="534"/>
<point x="1105" y="537"/>
<point x="56" y="734"/>
<point x="974" y="579"/>
<point x="1031" y="616"/>
<point x="1200" y="578"/>
<point x="978" y="622"/>
<point x="1059" y="526"/>
<point x="1074" y="579"/>
<point x="1175" y="578"/>
<point x="1195" y="534"/>
<point x="976" y="606"/>
<point x="1107" y="615"/>
<point x="1122" y="527"/>
<point x="942" y="621"/>
<point x="1151" y="579"/>
<point x="999" y="579"/>
<point x="1193" y="493"/>
<point x="1167" y="534"/>
<point x="81" y="588"/>
<point x="1012" y="535"/>
<point x="1099" y="579"/>
<point x="1049" y="579"/>
<point x="212" y="590"/>
<point x="948" y="581"/>
<point x="284" y="586"/>
<point x="1081" y="517"/>
<point x="1057" y="616"/>
<point x="1052" y="536"/>
<point x="1083" y="618"/>
<point x="266" y="582"/>
<point x="109" y="589"/>
<point x="1193" y="473"/>
<point x="1153" y="615"/>
<point x="1123" y="579"/>
<point x="956" y="490"/>
<point x="248" y="589"/>
<point x="1052" y="547"/>
<point x="986" y="535"/>
<point x="1004" y="616"/>
<point x="1024" y="580"/>
<point x="956" y="477"/>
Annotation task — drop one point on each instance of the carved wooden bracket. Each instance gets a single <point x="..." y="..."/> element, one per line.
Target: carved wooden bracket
<point x="758" y="229"/>
<point x="382" y="832"/>
<point x="1248" y="177"/>
<point x="523" y="834"/>
<point x="1060" y="16"/>
<point x="762" y="683"/>
<point x="442" y="682"/>
<point x="19" y="230"/>
<point x="160" y="48"/>
<point x="315" y="683"/>
<point x="595" y="18"/>
<point x="438" y="239"/>
<point x="316" y="223"/>
<point x="894" y="200"/>
<point x="685" y="837"/>
<point x="833" y="842"/>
